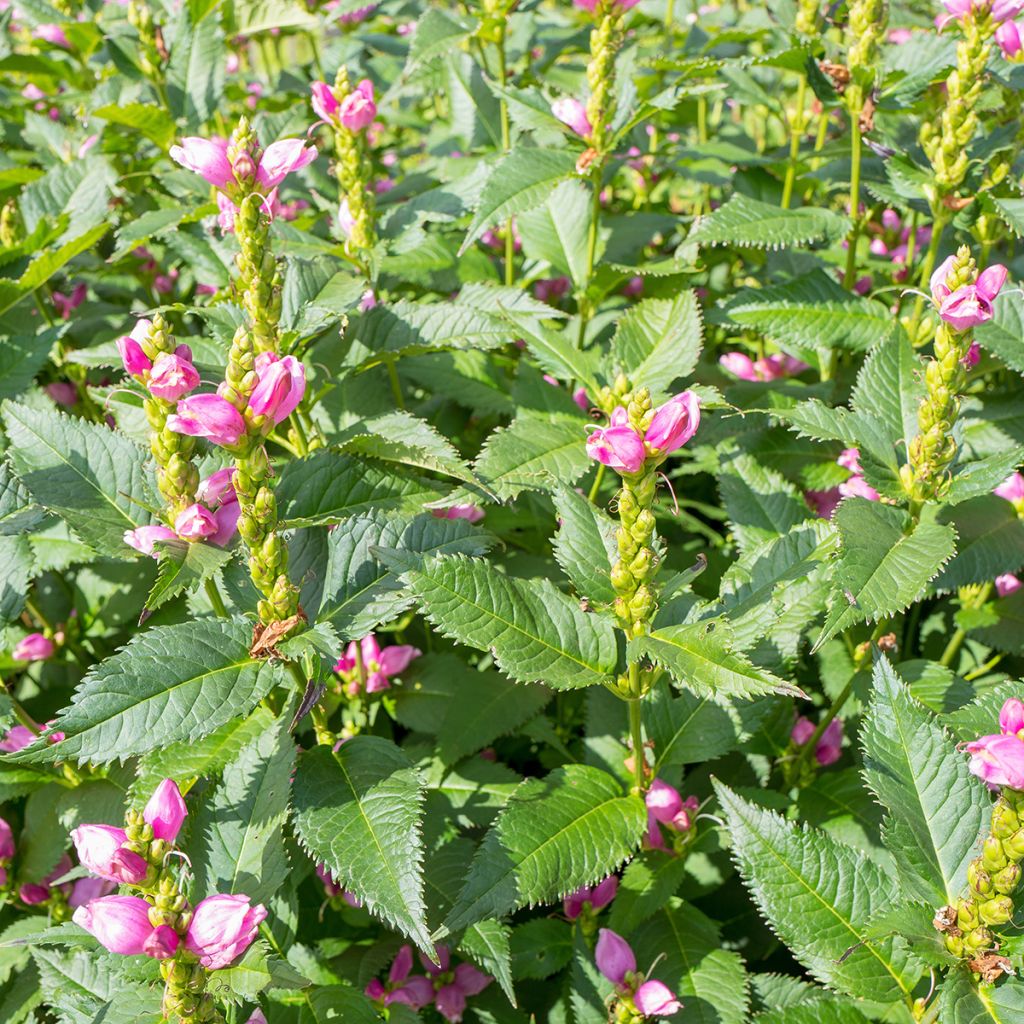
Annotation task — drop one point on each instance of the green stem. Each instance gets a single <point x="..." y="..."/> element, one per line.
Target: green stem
<point x="855" y="156"/>
<point x="596" y="486"/>
<point x="636" y="728"/>
<point x="506" y="145"/>
<point x="938" y="223"/>
<point x="213" y="593"/>
<point x="796" y="135"/>
<point x="592" y="235"/>
<point x="396" y="384"/>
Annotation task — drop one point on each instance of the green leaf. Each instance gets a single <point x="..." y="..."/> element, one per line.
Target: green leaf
<point x="17" y="567"/>
<point x="1003" y="335"/>
<point x="646" y="887"/>
<point x="556" y="834"/>
<point x="687" y="729"/>
<point x="17" y="513"/>
<point x="21" y="358"/>
<point x="890" y="387"/>
<point x="195" y="72"/>
<point x="885" y="563"/>
<point x="658" y="341"/>
<point x="326" y="488"/>
<point x="184" y="567"/>
<point x="711" y="982"/>
<point x="819" y="897"/>
<point x="812" y="311"/>
<point x="85" y="473"/>
<point x="358" y="810"/>
<point x="168" y="684"/>
<point x="437" y="32"/>
<point x="760" y="502"/>
<point x="990" y="541"/>
<point x="151" y="121"/>
<point x="937" y="808"/>
<point x="359" y="591"/>
<point x="541" y="947"/>
<point x="522" y="180"/>
<point x="151" y="224"/>
<point x="339" y="1004"/>
<point x="747" y="222"/>
<point x="556" y="352"/>
<point x="961" y="1001"/>
<point x="81" y="190"/>
<point x="982" y="476"/>
<point x="585" y="545"/>
<point x="701" y="657"/>
<point x="830" y="1010"/>
<point x="533" y="452"/>
<point x="535" y="632"/>
<point x="239" y="842"/>
<point x="556" y="232"/>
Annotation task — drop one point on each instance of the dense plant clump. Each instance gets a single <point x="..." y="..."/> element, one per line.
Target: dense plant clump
<point x="510" y="512"/>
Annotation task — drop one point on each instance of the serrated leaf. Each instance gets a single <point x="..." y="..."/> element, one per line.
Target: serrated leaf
<point x="195" y="72"/>
<point x="556" y="834"/>
<point x="937" y="808"/>
<point x="17" y="512"/>
<point x="961" y="1001"/>
<point x="750" y="223"/>
<point x="646" y="886"/>
<point x="535" y="632"/>
<point x="359" y="591"/>
<point x="1003" y="335"/>
<point x="168" y="684"/>
<point x="990" y="541"/>
<point x="238" y="832"/>
<point x="522" y="180"/>
<point x="982" y="476"/>
<point x="809" y="312"/>
<point x="890" y="387"/>
<point x="687" y="729"/>
<point x="760" y="502"/>
<point x="339" y="1004"/>
<point x="149" y="120"/>
<point x="830" y="1010"/>
<point x="818" y="897"/>
<point x="358" y="810"/>
<point x="659" y="341"/>
<point x="184" y="567"/>
<point x="85" y="473"/>
<point x="701" y="657"/>
<point x="326" y="488"/>
<point x="885" y="563"/>
<point x="150" y="224"/>
<point x="585" y="545"/>
<point x="557" y="231"/>
<point x="556" y="353"/>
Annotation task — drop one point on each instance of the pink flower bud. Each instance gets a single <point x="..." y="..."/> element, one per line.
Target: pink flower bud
<point x="53" y="34"/>
<point x="217" y="488"/>
<point x="195" y="523"/>
<point x="63" y="392"/>
<point x="135" y="361"/>
<point x="618" y="446"/>
<point x="162" y="944"/>
<point x="16" y="738"/>
<point x="830" y="746"/>
<point x="208" y="416"/>
<point x="121" y="923"/>
<point x="890" y="218"/>
<point x="998" y="760"/>
<point x="375" y="990"/>
<point x="282" y="383"/>
<point x="1011" y="718"/>
<point x="1003" y="9"/>
<point x="34" y="647"/>
<point x="7" y="848"/>
<point x="574" y="114"/>
<point x="857" y="486"/>
<point x="144" y="538"/>
<point x="346" y="222"/>
<point x="281" y="158"/>
<point x="802" y="731"/>
<point x="206" y="157"/>
<point x="849" y="458"/>
<point x="654" y="999"/>
<point x="85" y="890"/>
<point x="226" y="518"/>
<point x="165" y="811"/>
<point x="739" y="365"/>
<point x="226" y="212"/>
<point x="32" y="894"/>
<point x="1012" y="488"/>
<point x="663" y="801"/>
<point x="325" y="103"/>
<point x="222" y="929"/>
<point x="357" y="109"/>
<point x="99" y="848"/>
<point x="471" y="513"/>
<point x="172" y="376"/>
<point x="1007" y="584"/>
<point x="613" y="956"/>
<point x="674" y="423"/>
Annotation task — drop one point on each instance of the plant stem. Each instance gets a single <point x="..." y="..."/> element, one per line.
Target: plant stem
<point x="506" y="145"/>
<point x="592" y="234"/>
<point x="396" y="384"/>
<point x="596" y="486"/>
<point x="855" y="155"/>
<point x="213" y="593"/>
<point x="938" y="223"/>
<point x="796" y="135"/>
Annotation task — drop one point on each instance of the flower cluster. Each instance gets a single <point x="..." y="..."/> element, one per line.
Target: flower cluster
<point x="767" y="368"/>
<point x="637" y="997"/>
<point x="446" y="987"/>
<point x="367" y="667"/>
<point x="971" y="303"/>
<point x="667" y="808"/>
<point x="830" y="744"/>
<point x="170" y="376"/>
<point x="626" y="449"/>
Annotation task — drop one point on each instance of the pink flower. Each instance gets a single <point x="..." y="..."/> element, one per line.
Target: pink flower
<point x="121" y="923"/>
<point x="849" y="458"/>
<point x="52" y="34"/>
<point x="618" y="445"/>
<point x="67" y="304"/>
<point x="1012" y="488"/>
<point x="1008" y="38"/>
<point x="144" y="538"/>
<point x="655" y="999"/>
<point x="551" y="289"/>
<point x="34" y="647"/>
<point x="195" y="523"/>
<point x="674" y="423"/>
<point x="471" y="513"/>
<point x="1011" y="718"/>
<point x="222" y="929"/>
<point x="998" y="760"/>
<point x="208" y="416"/>
<point x="101" y="850"/>
<point x="345" y="222"/>
<point x="173" y="375"/>
<point x="582" y="399"/>
<point x="415" y="992"/>
<point x="281" y="158"/>
<point x="357" y="110"/>
<point x="16" y="738"/>
<point x="7" y="849"/>
<point x="379" y="664"/>
<point x="596" y="898"/>
<point x="663" y="801"/>
<point x="165" y="811"/>
<point x="614" y="956"/>
<point x="970" y="304"/>
<point x="857" y="486"/>
<point x="63" y="392"/>
<point x="450" y="999"/>
<point x="1007" y="584"/>
<point x="282" y="383"/>
<point x="773" y="367"/>
<point x="86" y="145"/>
<point x="135" y="360"/>
<point x="830" y="744"/>
<point x="32" y="91"/>
<point x="227" y="523"/>
<point x="217" y="488"/>
<point x="573" y="113"/>
<point x="325" y="103"/>
<point x="634" y="287"/>
<point x="162" y="943"/>
<point x="206" y="157"/>
<point x="85" y="890"/>
<point x="973" y="356"/>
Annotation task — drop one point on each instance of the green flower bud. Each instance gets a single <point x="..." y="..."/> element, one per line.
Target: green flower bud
<point x="992" y="855"/>
<point x="1008" y="879"/>
<point x="996" y="911"/>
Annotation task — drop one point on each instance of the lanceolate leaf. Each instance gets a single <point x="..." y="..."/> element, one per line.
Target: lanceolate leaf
<point x="748" y="222"/>
<point x="585" y="545"/>
<point x="570" y="829"/>
<point x="536" y="633"/>
<point x="170" y="683"/>
<point x="184" y="566"/>
<point x="90" y="476"/>
<point x="937" y="809"/>
<point x="963" y="1001"/>
<point x="358" y="810"/>
<point x="819" y="897"/>
<point x="659" y="340"/>
<point x="700" y="656"/>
